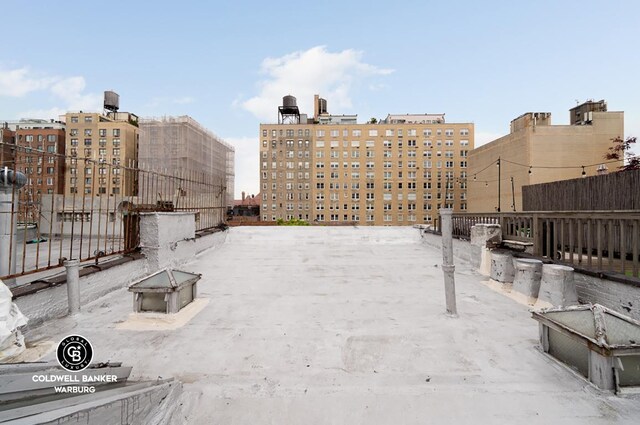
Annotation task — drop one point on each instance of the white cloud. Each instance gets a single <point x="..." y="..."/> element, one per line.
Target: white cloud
<point x="21" y="81"/>
<point x="247" y="171"/>
<point x="69" y="91"/>
<point x="305" y="73"/>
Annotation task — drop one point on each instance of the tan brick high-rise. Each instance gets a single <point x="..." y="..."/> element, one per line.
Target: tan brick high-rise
<point x="111" y="144"/>
<point x="332" y="170"/>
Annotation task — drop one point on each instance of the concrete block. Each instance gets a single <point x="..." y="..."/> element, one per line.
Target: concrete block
<point x="528" y="273"/>
<point x="481" y="234"/>
<point x="502" y="266"/>
<point x="167" y="239"/>
<point x="557" y="287"/>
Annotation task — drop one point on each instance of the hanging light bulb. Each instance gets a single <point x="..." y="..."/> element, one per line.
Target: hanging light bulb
<point x="530" y="170"/>
<point x="486" y="183"/>
<point x="474" y="177"/>
<point x="584" y="173"/>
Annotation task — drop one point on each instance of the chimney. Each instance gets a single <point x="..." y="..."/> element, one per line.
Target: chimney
<point x="316" y="106"/>
<point x="243" y="196"/>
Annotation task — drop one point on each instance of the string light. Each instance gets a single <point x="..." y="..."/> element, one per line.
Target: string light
<point x="530" y="172"/>
<point x="584" y="173"/>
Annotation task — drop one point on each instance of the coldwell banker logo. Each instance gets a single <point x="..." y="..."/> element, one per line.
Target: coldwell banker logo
<point x="74" y="353"/>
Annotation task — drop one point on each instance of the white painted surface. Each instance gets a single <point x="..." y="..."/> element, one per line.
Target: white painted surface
<point x="52" y="302"/>
<point x="321" y="325"/>
<point x="557" y="287"/>
<point x="528" y="273"/>
<point x="11" y="320"/>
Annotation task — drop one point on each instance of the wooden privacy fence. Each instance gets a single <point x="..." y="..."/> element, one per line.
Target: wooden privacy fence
<point x="613" y="191"/>
<point x="594" y="240"/>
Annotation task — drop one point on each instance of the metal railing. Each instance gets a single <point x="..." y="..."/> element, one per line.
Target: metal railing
<point x="594" y="240"/>
<point x="86" y="208"/>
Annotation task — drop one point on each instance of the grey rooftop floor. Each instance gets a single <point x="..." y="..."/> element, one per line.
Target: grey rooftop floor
<point x="322" y="325"/>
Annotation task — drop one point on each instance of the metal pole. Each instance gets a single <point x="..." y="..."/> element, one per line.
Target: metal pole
<point x="10" y="182"/>
<point x="448" y="267"/>
<point x="513" y="196"/>
<point x="73" y="285"/>
<point x="8" y="242"/>
<point x="498" y="184"/>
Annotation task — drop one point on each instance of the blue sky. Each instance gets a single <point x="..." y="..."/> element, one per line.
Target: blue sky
<point x="227" y="64"/>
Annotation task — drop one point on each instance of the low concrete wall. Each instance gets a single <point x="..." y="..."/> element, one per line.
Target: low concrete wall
<point x="52" y="302"/>
<point x="213" y="240"/>
<point x="618" y="296"/>
<point x="461" y="249"/>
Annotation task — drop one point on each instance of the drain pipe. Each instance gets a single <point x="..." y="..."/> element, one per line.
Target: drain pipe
<point x="10" y="183"/>
<point x="448" y="267"/>
<point x="73" y="285"/>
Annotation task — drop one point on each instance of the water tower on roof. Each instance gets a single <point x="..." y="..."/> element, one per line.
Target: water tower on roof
<point x="289" y="113"/>
<point x="111" y="101"/>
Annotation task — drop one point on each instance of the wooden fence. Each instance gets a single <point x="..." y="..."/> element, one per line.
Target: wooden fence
<point x="594" y="240"/>
<point x="614" y="191"/>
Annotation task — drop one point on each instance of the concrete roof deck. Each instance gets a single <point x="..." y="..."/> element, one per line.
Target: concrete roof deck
<point x="345" y="325"/>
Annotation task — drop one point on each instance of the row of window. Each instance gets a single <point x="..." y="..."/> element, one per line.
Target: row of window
<point x="101" y="132"/>
<point x="101" y="142"/>
<point x="427" y="196"/>
<point x="29" y="159"/>
<point x="40" y="137"/>
<point x="387" y="144"/>
<point x="29" y="170"/>
<point x="357" y="133"/>
<point x="102" y="190"/>
<point x="49" y="181"/>
<point x="356" y="165"/>
<point x="354" y="217"/>
<point x="387" y="175"/>
<point x="101" y="170"/>
<point x="88" y="152"/>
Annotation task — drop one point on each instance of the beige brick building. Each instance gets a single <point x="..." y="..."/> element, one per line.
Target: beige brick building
<point x="102" y="148"/>
<point x="537" y="152"/>
<point x="332" y="170"/>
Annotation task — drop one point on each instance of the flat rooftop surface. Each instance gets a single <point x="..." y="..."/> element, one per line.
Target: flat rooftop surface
<point x="345" y="325"/>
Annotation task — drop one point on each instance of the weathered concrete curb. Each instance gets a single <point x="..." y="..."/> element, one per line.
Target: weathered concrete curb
<point x="52" y="302"/>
